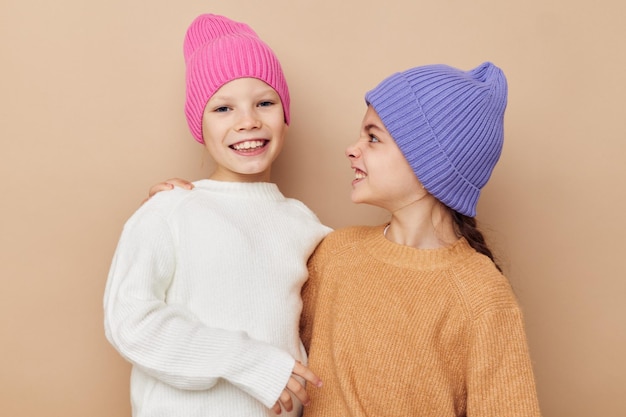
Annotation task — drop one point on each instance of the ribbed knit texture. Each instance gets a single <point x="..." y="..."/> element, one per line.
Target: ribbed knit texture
<point x="218" y="50"/>
<point x="203" y="298"/>
<point x="396" y="331"/>
<point x="448" y="124"/>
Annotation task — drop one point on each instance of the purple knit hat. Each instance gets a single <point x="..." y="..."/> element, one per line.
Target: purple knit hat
<point x="448" y="124"/>
<point x="218" y="50"/>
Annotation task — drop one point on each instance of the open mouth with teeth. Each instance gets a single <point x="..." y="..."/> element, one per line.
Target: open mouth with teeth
<point x="358" y="174"/>
<point x="249" y="146"/>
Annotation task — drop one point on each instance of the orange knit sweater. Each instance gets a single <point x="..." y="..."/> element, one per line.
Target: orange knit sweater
<point x="397" y="331"/>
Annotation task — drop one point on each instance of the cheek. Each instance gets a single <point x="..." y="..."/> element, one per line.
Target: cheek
<point x="280" y="129"/>
<point x="397" y="168"/>
<point x="277" y="119"/>
<point x="403" y="169"/>
<point x="209" y="128"/>
<point x="402" y="177"/>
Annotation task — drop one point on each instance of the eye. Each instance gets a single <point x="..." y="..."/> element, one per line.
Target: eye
<point x="374" y="139"/>
<point x="221" y="109"/>
<point x="266" y="103"/>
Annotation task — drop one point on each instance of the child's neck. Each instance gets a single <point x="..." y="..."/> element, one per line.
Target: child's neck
<point x="423" y="226"/>
<point x="221" y="174"/>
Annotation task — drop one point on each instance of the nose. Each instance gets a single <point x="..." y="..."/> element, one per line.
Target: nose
<point x="353" y="151"/>
<point x="248" y="120"/>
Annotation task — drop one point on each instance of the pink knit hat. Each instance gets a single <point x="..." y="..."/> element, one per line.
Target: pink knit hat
<point x="218" y="50"/>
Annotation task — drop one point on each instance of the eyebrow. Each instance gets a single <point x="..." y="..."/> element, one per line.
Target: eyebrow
<point x="371" y="126"/>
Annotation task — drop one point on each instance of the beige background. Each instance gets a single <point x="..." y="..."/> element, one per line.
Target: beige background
<point x="91" y="116"/>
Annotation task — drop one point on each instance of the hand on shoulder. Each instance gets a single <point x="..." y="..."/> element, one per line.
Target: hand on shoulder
<point x="168" y="185"/>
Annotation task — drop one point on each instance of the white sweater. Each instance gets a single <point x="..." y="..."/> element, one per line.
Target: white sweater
<point x="203" y="298"/>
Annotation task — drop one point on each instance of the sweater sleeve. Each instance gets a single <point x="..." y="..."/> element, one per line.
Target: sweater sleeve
<point x="306" y="318"/>
<point x="309" y="297"/>
<point x="167" y="341"/>
<point x="500" y="378"/>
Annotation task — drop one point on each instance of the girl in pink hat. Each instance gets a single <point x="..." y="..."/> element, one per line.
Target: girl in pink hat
<point x="203" y="294"/>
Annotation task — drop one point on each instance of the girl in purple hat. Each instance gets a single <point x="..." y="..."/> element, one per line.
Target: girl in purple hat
<point x="414" y="317"/>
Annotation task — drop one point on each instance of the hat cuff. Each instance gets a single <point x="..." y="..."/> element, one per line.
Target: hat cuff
<point x="401" y="113"/>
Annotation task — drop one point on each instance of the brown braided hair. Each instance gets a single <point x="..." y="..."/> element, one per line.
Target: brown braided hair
<point x="466" y="227"/>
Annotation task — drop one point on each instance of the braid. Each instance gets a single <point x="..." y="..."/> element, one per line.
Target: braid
<point x="467" y="228"/>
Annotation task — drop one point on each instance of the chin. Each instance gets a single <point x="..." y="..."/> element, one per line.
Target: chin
<point x="356" y="199"/>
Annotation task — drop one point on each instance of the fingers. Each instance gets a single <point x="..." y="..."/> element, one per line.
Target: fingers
<point x="162" y="186"/>
<point x="179" y="182"/>
<point x="168" y="185"/>
<point x="285" y="400"/>
<point x="296" y="388"/>
<point x="307" y="374"/>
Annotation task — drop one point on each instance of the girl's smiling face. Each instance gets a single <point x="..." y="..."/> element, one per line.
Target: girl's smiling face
<point x="382" y="175"/>
<point x="244" y="130"/>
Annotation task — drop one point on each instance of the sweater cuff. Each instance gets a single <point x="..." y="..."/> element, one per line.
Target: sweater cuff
<point x="267" y="376"/>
